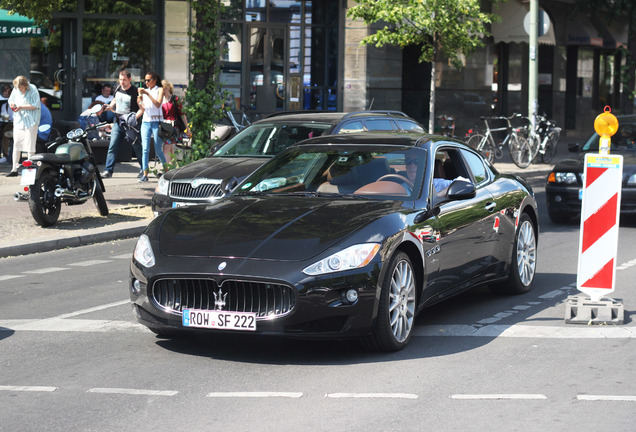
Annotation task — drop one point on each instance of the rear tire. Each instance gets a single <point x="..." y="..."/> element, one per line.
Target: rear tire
<point x="486" y="148"/>
<point x="396" y="311"/>
<point x="44" y="205"/>
<point x="99" y="199"/>
<point x="523" y="265"/>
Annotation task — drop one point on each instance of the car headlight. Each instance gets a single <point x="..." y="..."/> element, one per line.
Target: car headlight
<point x="162" y="187"/>
<point x="143" y="252"/>
<point x="631" y="181"/>
<point x="352" y="257"/>
<point x="562" y="177"/>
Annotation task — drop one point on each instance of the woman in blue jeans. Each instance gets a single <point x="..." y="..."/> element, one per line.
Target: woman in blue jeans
<point x="151" y="98"/>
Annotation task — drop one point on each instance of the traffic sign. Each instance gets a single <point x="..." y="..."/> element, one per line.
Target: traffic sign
<point x="600" y="211"/>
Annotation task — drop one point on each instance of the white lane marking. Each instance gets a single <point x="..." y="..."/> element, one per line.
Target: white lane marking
<point x="140" y="392"/>
<point x="7" y="277"/>
<point x="89" y="263"/>
<point x="93" y="309"/>
<point x="123" y="256"/>
<point x="45" y="270"/>
<point x="499" y="396"/>
<point x="521" y="307"/>
<point x="371" y="396"/>
<point x="551" y="294"/>
<point x="27" y="388"/>
<point x="613" y="398"/>
<point x="528" y="331"/>
<point x="71" y="325"/>
<point x="626" y="265"/>
<point x="255" y="395"/>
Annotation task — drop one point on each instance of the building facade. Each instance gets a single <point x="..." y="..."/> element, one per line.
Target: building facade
<point x="306" y="55"/>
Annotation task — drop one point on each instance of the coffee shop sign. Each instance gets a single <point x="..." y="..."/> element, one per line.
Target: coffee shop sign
<point x="20" y="31"/>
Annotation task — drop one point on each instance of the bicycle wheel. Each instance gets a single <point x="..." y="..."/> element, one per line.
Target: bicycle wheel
<point x="483" y="145"/>
<point x="550" y="146"/>
<point x="520" y="151"/>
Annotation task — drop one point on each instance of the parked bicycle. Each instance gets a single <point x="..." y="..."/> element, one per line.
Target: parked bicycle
<point x="491" y="149"/>
<point x="543" y="140"/>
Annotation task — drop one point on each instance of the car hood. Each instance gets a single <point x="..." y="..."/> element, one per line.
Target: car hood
<point x="269" y="228"/>
<point x="576" y="165"/>
<point x="218" y="168"/>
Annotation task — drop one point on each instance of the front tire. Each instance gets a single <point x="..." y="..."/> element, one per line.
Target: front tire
<point x="523" y="263"/>
<point x="520" y="152"/>
<point x="44" y="205"/>
<point x="99" y="199"/>
<point x="396" y="311"/>
<point x="550" y="146"/>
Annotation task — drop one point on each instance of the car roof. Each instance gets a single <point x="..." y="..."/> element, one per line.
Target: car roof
<point x="405" y="138"/>
<point x="331" y="117"/>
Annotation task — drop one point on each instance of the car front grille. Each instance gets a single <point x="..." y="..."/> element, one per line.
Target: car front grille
<point x="267" y="300"/>
<point x="203" y="190"/>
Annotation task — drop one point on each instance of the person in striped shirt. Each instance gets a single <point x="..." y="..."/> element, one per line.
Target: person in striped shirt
<point x="25" y="103"/>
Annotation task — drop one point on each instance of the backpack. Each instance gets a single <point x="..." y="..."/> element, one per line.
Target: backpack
<point x="179" y="121"/>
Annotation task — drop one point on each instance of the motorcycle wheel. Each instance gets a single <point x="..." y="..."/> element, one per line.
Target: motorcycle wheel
<point x="99" y="199"/>
<point x="44" y="205"/>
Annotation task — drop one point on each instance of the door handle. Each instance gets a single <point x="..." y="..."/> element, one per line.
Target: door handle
<point x="490" y="206"/>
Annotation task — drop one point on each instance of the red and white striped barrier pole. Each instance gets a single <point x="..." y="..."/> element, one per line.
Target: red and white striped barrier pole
<point x="600" y="211"/>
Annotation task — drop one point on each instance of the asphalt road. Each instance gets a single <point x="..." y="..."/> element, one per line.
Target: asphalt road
<point x="73" y="358"/>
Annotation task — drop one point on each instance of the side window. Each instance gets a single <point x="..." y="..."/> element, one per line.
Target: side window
<point x="476" y="166"/>
<point x="380" y="125"/>
<point x="352" y="127"/>
<point x="410" y="126"/>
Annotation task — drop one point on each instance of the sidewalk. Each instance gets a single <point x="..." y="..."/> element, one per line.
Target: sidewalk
<point x="129" y="206"/>
<point x="129" y="213"/>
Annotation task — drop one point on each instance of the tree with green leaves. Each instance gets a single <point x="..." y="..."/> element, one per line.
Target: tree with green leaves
<point x="611" y="10"/>
<point x="441" y="28"/>
<point x="203" y="97"/>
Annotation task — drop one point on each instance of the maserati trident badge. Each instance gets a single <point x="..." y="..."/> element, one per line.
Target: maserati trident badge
<point x="219" y="299"/>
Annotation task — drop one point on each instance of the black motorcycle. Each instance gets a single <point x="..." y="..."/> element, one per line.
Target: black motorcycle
<point x="68" y="175"/>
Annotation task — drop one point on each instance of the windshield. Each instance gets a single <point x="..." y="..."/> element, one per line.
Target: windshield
<point x="385" y="172"/>
<point x="269" y="139"/>
<point x="623" y="140"/>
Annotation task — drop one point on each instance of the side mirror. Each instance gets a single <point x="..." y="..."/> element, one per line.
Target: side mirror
<point x="460" y="190"/>
<point x="574" y="147"/>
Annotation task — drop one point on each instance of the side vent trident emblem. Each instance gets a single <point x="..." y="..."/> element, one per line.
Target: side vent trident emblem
<point x="219" y="299"/>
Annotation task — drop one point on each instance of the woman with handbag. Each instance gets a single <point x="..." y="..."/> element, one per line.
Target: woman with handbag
<point x="173" y="114"/>
<point x="151" y="98"/>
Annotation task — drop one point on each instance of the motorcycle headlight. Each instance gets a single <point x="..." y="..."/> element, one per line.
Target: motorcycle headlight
<point x="356" y="256"/>
<point x="143" y="252"/>
<point x="562" y="177"/>
<point x="162" y="187"/>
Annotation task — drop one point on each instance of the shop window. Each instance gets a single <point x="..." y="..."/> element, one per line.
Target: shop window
<point x="118" y="7"/>
<point x="110" y="46"/>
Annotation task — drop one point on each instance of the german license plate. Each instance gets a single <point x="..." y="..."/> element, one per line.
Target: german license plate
<point x="27" y="178"/>
<point x="580" y="194"/>
<point x="219" y="320"/>
<point x="180" y="204"/>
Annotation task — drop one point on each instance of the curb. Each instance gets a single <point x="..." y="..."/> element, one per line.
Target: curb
<point x="73" y="241"/>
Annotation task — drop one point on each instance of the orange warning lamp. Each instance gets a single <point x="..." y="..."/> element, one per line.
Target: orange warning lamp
<point x="606" y="125"/>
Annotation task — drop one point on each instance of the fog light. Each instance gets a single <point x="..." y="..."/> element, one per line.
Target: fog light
<point x="558" y="198"/>
<point x="135" y="288"/>
<point x="352" y="296"/>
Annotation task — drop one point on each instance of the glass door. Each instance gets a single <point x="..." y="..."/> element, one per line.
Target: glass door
<point x="267" y="60"/>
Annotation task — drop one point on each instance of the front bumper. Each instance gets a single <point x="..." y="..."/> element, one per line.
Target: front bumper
<point x="320" y="308"/>
<point x="566" y="200"/>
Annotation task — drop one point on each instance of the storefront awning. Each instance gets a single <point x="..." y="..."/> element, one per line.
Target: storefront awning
<point x="15" y="25"/>
<point x="511" y="29"/>
<point x="614" y="34"/>
<point x="582" y="32"/>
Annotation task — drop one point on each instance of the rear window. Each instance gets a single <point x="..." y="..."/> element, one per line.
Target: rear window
<point x="380" y="125"/>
